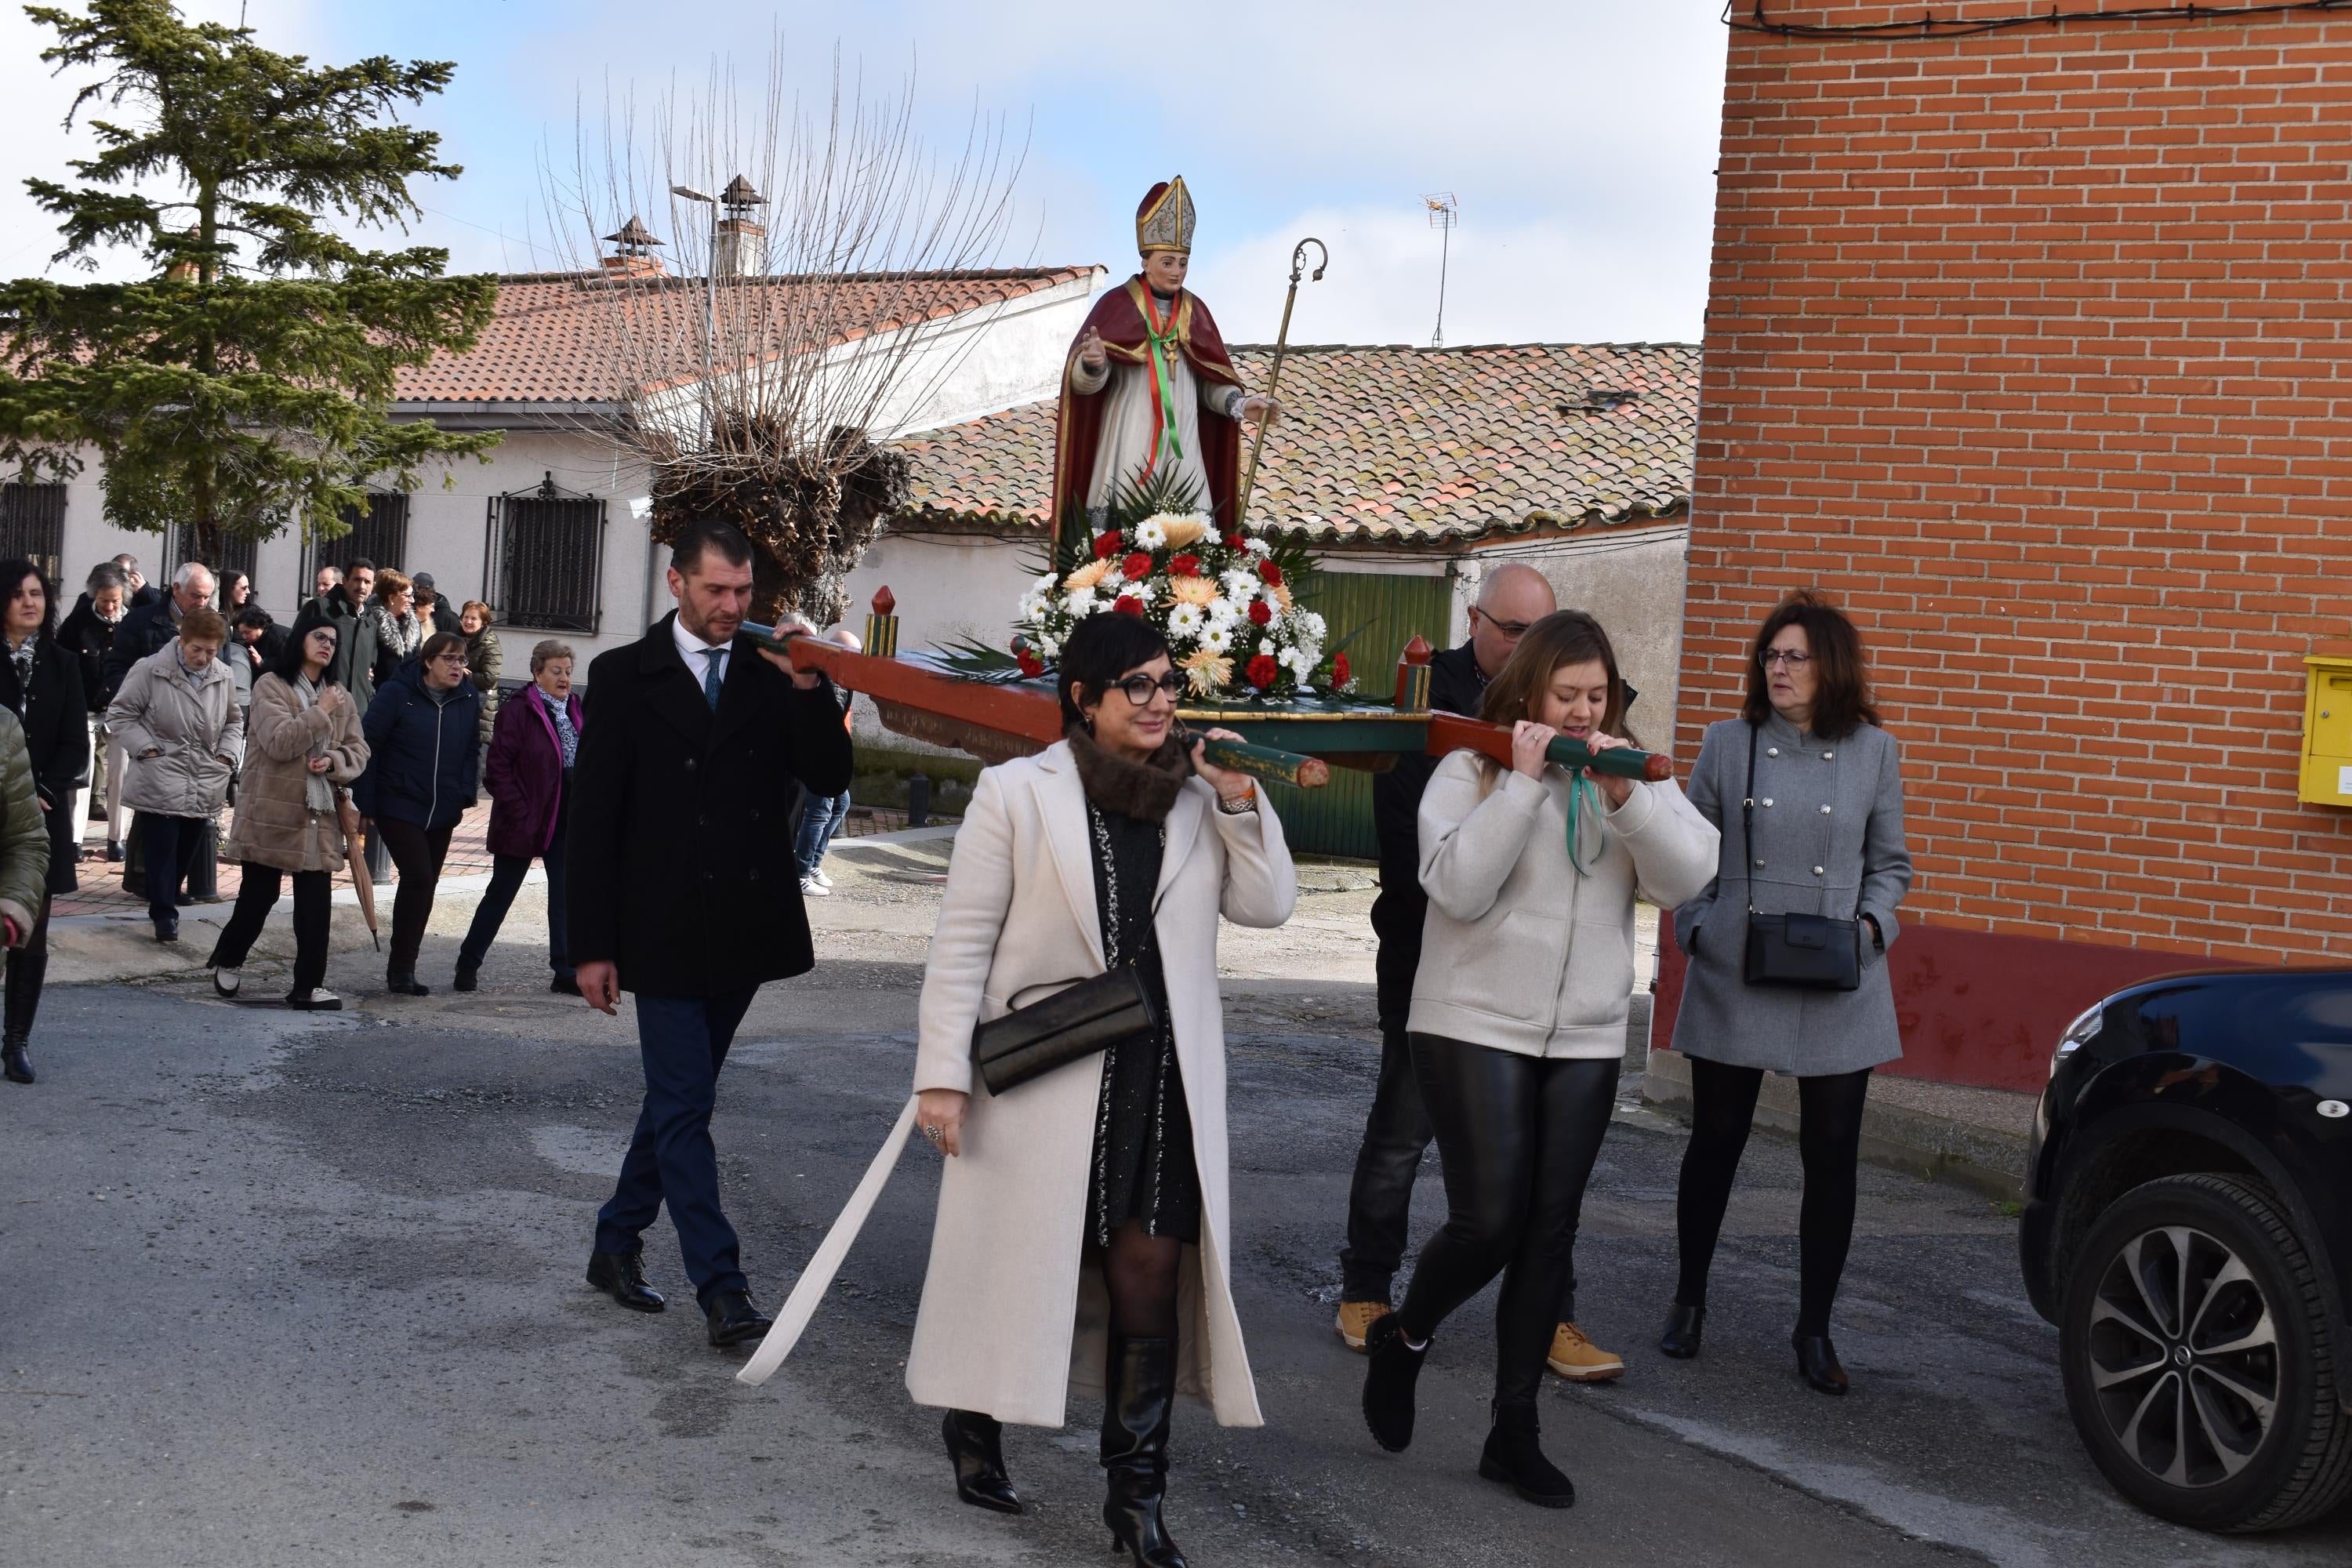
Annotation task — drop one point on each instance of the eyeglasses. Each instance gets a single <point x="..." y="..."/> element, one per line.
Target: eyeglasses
<point x="452" y="657"/>
<point x="1140" y="688"/>
<point x="1511" y="629"/>
<point x="1781" y="656"/>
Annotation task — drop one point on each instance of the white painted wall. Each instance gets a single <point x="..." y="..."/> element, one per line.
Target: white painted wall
<point x="948" y="587"/>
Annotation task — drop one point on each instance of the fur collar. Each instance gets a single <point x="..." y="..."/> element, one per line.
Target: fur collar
<point x="1146" y="790"/>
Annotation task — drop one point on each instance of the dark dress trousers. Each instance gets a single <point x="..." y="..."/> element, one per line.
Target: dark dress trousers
<point x="681" y="874"/>
<point x="1397" y="1131"/>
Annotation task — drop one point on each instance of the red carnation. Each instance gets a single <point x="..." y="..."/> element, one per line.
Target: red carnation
<point x="1136" y="567"/>
<point x="1031" y="665"/>
<point x="1263" y="671"/>
<point x="1185" y="566"/>
<point x="1338" y="669"/>
<point x="1272" y="574"/>
<point x="1129" y="604"/>
<point x="1107" y="545"/>
<point x="1261" y="613"/>
<point x="1235" y="542"/>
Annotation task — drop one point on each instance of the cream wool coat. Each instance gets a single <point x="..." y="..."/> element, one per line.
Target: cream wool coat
<point x="1010" y="1319"/>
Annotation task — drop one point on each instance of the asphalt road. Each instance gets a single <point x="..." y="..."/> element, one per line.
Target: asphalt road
<point x="284" y="1290"/>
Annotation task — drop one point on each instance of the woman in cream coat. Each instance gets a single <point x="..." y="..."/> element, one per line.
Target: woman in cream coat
<point x="1024" y="1300"/>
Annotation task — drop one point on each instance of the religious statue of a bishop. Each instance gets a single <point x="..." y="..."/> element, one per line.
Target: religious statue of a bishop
<point x="1149" y="389"/>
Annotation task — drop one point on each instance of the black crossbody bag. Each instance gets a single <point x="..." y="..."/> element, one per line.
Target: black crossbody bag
<point x="1064" y="1028"/>
<point x="1809" y="953"/>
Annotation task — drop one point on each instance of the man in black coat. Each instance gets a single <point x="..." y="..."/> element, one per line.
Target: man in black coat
<point x="353" y="666"/>
<point x="150" y="627"/>
<point x="684" y="890"/>
<point x="1511" y="599"/>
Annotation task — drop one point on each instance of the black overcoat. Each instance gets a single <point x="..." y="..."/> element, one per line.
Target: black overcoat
<point x="679" y="845"/>
<point x="56" y="739"/>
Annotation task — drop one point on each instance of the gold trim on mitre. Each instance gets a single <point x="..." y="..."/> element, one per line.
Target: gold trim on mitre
<point x="1166" y="220"/>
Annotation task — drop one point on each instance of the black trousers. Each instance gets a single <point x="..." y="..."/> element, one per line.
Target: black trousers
<point x="170" y="846"/>
<point x="1829" y="1142"/>
<point x="256" y="895"/>
<point x="28" y="966"/>
<point x="418" y="852"/>
<point x="1518" y="1136"/>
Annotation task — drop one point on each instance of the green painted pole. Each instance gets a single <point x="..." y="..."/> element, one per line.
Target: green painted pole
<point x="1266" y="762"/>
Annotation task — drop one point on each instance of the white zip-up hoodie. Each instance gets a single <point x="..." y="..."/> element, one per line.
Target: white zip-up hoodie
<point x="1522" y="951"/>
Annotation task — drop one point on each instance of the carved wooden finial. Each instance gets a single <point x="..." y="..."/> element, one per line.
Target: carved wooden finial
<point x="882" y="626"/>
<point x="1413" y="678"/>
<point x="1416" y="651"/>
<point x="883" y="603"/>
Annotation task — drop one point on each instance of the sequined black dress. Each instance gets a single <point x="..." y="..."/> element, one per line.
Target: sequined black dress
<point x="1143" y="1130"/>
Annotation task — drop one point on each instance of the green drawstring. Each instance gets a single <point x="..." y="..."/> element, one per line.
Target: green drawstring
<point x="1576" y="784"/>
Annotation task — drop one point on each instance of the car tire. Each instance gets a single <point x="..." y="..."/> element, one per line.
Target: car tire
<point x="2227" y="1414"/>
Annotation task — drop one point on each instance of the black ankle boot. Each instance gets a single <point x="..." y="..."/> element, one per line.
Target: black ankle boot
<point x="1141" y="1389"/>
<point x="1389" y="1381"/>
<point x="1514" y="1458"/>
<point x="976" y="1445"/>
<point x="1817" y="1363"/>
<point x="1684" y="1323"/>
<point x="17" y="1065"/>
<point x="403" y="983"/>
<point x="468" y="976"/>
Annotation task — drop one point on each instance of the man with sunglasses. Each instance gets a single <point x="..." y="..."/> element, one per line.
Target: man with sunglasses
<point x="1511" y="598"/>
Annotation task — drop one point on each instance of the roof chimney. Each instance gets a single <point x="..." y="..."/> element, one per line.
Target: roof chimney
<point x="739" y="245"/>
<point x="634" y="257"/>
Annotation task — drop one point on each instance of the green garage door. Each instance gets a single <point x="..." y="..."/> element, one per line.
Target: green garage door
<point x="1381" y="614"/>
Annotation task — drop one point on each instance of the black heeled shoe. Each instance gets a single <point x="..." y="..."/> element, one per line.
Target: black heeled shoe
<point x="1684" y="1323"/>
<point x="403" y="983"/>
<point x="1515" y="1457"/>
<point x="1817" y="1363"/>
<point x="1389" y="1380"/>
<point x="1142" y="1390"/>
<point x="976" y="1446"/>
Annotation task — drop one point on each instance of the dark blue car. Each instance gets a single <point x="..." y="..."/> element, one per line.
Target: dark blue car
<point x="2188" y="1228"/>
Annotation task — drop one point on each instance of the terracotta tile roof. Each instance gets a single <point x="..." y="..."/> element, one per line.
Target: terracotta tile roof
<point x="1396" y="442"/>
<point x="545" y="344"/>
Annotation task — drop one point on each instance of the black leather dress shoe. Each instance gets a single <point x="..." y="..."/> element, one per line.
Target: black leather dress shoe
<point x="565" y="985"/>
<point x="468" y="976"/>
<point x="1683" y="1325"/>
<point x="622" y="1276"/>
<point x="733" y="1318"/>
<point x="1817" y="1363"/>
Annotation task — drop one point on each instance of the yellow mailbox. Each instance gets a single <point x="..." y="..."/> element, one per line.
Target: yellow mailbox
<point x="2327" y="726"/>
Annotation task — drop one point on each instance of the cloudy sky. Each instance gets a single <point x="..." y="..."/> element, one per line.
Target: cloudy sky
<point x="1578" y="137"/>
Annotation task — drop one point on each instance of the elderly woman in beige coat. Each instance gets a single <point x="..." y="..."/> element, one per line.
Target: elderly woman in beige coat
<point x="1083" y="1235"/>
<point x="303" y="744"/>
<point x="176" y="718"/>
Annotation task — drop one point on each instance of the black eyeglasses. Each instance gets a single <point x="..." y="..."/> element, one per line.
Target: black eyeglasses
<point x="1512" y="629"/>
<point x="1140" y="688"/>
<point x="1773" y="656"/>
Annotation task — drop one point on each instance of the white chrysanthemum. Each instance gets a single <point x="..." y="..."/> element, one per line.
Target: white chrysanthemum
<point x="1046" y="647"/>
<point x="1102" y="605"/>
<point x="1240" y="586"/>
<point x="1081" y="602"/>
<point x="1257" y="547"/>
<point x="1151" y="533"/>
<point x="1223" y="612"/>
<point x="1185" y="621"/>
<point x="1049" y="582"/>
<point x="1266" y="646"/>
<point x="1314" y="624"/>
<point x="1142" y="590"/>
<point x="1218" y="638"/>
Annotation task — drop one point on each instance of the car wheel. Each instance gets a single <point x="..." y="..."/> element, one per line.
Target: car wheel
<point x="2201" y="1364"/>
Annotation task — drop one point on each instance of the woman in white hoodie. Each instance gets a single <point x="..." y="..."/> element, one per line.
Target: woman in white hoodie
<point x="1519" y="1018"/>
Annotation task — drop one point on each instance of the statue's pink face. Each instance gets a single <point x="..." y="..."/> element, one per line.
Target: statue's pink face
<point x="1165" y="269"/>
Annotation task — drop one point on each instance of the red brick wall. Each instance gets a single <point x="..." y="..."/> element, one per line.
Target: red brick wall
<point x="2033" y="349"/>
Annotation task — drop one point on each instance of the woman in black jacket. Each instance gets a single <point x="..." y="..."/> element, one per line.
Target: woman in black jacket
<point x="41" y="683"/>
<point x="423" y="757"/>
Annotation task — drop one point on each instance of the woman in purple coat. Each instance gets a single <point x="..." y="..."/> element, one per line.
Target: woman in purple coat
<point x="528" y="775"/>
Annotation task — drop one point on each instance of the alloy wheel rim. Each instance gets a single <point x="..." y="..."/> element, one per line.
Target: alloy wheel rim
<point x="2184" y="1356"/>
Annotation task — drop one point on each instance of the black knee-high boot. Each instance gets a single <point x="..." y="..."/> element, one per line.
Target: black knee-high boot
<point x="1141" y="1390"/>
<point x="976" y="1446"/>
<point x="22" y="991"/>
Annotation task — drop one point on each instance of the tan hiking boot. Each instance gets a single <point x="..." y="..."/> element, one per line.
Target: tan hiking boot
<point x="1577" y="1359"/>
<point x="1354" y="1317"/>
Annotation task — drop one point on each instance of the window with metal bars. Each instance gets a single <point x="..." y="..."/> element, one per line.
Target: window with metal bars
<point x="33" y="525"/>
<point x="543" y="559"/>
<point x="377" y="533"/>
<point x="236" y="553"/>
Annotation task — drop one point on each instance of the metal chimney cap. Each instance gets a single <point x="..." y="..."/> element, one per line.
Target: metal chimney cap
<point x="633" y="233"/>
<point x="739" y="194"/>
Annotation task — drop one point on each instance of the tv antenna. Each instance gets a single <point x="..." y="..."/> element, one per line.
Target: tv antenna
<point x="1444" y="211"/>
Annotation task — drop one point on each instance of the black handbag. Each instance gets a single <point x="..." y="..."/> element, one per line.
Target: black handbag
<point x="1067" y="1026"/>
<point x="1809" y="953"/>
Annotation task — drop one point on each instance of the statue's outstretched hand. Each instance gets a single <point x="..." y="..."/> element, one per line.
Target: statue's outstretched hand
<point x="1261" y="408"/>
<point x="1091" y="352"/>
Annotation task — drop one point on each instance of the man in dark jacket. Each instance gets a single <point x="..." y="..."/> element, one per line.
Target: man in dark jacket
<point x="1511" y="599"/>
<point x="684" y="890"/>
<point x="353" y="667"/>
<point x="147" y="629"/>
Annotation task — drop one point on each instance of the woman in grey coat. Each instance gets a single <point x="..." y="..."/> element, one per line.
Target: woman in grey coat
<point x="1826" y="800"/>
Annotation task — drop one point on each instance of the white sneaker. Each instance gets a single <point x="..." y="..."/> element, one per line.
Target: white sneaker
<point x="813" y="888"/>
<point x="823" y="881"/>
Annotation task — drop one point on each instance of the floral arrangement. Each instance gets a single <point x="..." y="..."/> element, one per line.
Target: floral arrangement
<point x="1226" y="601"/>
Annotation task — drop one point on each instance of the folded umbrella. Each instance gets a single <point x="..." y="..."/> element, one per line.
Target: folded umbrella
<point x="356" y="856"/>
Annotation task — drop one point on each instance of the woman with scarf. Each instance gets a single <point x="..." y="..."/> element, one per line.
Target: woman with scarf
<point x="1084" y="1208"/>
<point x="392" y="617"/>
<point x="303" y="743"/>
<point x="40" y="682"/>
<point x="1518" y="1019"/>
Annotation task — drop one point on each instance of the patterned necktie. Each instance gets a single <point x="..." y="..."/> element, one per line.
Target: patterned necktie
<point x="710" y="677"/>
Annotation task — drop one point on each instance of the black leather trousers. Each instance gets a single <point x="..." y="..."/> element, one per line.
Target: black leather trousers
<point x="1517" y="1136"/>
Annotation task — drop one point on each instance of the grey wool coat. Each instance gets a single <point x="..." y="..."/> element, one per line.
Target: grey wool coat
<point x="1829" y="841"/>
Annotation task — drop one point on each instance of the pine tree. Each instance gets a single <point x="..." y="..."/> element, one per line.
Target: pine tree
<point x="244" y="387"/>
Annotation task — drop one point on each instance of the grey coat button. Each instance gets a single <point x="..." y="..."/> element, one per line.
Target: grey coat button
<point x="1759" y="865"/>
<point x="1825" y="811"/>
<point x="1819" y="872"/>
<point x="1827" y="755"/>
<point x="1771" y="751"/>
<point x="1768" y="802"/>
